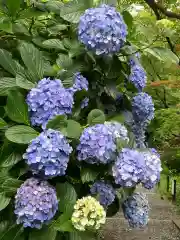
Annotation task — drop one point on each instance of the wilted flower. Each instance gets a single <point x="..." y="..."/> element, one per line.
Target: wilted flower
<point x="48" y="154"/>
<point x="88" y="214"/>
<point x="136" y="210"/>
<point x="47" y="100"/>
<point x="138" y="76"/>
<point x="142" y="108"/>
<point x="129" y="168"/>
<point x="35" y="203"/>
<point x="153" y="168"/>
<point x="105" y="192"/>
<point x="97" y="145"/>
<point x="102" y="30"/>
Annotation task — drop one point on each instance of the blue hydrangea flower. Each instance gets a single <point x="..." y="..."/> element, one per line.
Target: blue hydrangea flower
<point x="142" y="108"/>
<point x="134" y="59"/>
<point x="129" y="168"/>
<point x="152" y="170"/>
<point x="138" y="76"/>
<point x="80" y="83"/>
<point x="97" y="145"/>
<point x="139" y="133"/>
<point x="47" y="100"/>
<point x="105" y="192"/>
<point x="136" y="210"/>
<point x="35" y="203"/>
<point x="48" y="154"/>
<point x="102" y="30"/>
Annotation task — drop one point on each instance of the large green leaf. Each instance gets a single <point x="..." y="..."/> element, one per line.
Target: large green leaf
<point x="23" y="82"/>
<point x="43" y="234"/>
<point x="2" y="123"/>
<point x="10" y="160"/>
<point x="64" y="61"/>
<point x="33" y="59"/>
<point x="67" y="196"/>
<point x="96" y="116"/>
<point x="6" y="84"/>
<point x="21" y="134"/>
<point x="128" y="18"/>
<point x="16" y="108"/>
<point x="13" y="6"/>
<point x="88" y="175"/>
<point x="53" y="44"/>
<point x="10" y="186"/>
<point x="73" y="129"/>
<point x="14" y="232"/>
<point x="57" y="123"/>
<point x="8" y="63"/>
<point x="4" y="201"/>
<point x="63" y="223"/>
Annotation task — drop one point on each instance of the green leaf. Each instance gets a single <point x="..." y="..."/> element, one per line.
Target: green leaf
<point x="6" y="84"/>
<point x="88" y="175"/>
<point x="43" y="234"/>
<point x="13" y="233"/>
<point x="57" y="123"/>
<point x="118" y="118"/>
<point x="54" y="6"/>
<point x="11" y="160"/>
<point x="29" y="13"/>
<point x="63" y="226"/>
<point x="13" y="6"/>
<point x="22" y="81"/>
<point x="10" y="186"/>
<point x="64" y="61"/>
<point x="7" y="62"/>
<point x="16" y="108"/>
<point x="6" y="25"/>
<point x="67" y="196"/>
<point x="128" y="18"/>
<point x="96" y="116"/>
<point x="54" y="30"/>
<point x="73" y="129"/>
<point x="54" y="44"/>
<point x="21" y="134"/>
<point x="33" y="59"/>
<point x="82" y="236"/>
<point x="4" y="201"/>
<point x="2" y="123"/>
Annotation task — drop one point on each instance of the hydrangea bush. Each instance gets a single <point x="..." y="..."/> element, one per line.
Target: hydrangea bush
<point x="66" y="149"/>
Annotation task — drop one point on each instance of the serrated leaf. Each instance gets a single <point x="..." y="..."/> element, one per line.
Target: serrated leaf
<point x="16" y="108"/>
<point x="22" y="81"/>
<point x="64" y="61"/>
<point x="88" y="175"/>
<point x="54" y="6"/>
<point x="67" y="196"/>
<point x="96" y="116"/>
<point x="53" y="44"/>
<point x="43" y="234"/>
<point x="33" y="59"/>
<point x="2" y="123"/>
<point x="4" y="201"/>
<point x="21" y="134"/>
<point x="73" y="129"/>
<point x="11" y="160"/>
<point x="6" y="84"/>
<point x="10" y="186"/>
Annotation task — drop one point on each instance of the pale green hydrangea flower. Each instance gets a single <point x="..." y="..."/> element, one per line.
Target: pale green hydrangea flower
<point x="88" y="214"/>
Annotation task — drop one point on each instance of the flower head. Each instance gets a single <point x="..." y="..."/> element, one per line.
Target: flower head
<point x="80" y="83"/>
<point x="105" y="191"/>
<point x="153" y="168"/>
<point x="138" y="76"/>
<point x="48" y="154"/>
<point x="142" y="108"/>
<point x="129" y="168"/>
<point x="35" y="203"/>
<point x="97" y="145"/>
<point x="136" y="210"/>
<point x="47" y="100"/>
<point x="102" y="30"/>
<point x="88" y="214"/>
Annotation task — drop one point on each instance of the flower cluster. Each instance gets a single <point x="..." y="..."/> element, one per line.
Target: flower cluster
<point x="105" y="192"/>
<point x="136" y="210"/>
<point x="48" y="154"/>
<point x="35" y="203"/>
<point x="153" y="168"/>
<point x="129" y="168"/>
<point x="80" y="83"/>
<point x="142" y="108"/>
<point x="47" y="100"/>
<point x="134" y="59"/>
<point x="97" y="145"/>
<point x="88" y="214"/>
<point x="102" y="30"/>
<point x="138" y="76"/>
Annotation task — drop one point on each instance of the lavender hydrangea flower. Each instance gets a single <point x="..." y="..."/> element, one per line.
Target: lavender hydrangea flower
<point x="142" y="108"/>
<point x="136" y="210"/>
<point x="138" y="76"/>
<point x="80" y="83"/>
<point x="129" y="168"/>
<point x="152" y="170"/>
<point x="97" y="145"/>
<point x="35" y="203"/>
<point x="48" y="154"/>
<point x="105" y="192"/>
<point x="134" y="59"/>
<point x="47" y="100"/>
<point x="102" y="30"/>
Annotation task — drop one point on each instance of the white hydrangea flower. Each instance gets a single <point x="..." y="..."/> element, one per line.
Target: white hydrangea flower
<point x="88" y="214"/>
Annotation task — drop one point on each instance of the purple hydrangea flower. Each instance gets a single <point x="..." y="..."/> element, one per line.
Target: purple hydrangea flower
<point x="136" y="210"/>
<point x="118" y="130"/>
<point x="152" y="170"/>
<point x="129" y="168"/>
<point x="105" y="192"/>
<point x="139" y="133"/>
<point x="138" y="76"/>
<point x="97" y="145"/>
<point x="102" y="30"/>
<point x="142" y="108"/>
<point x="35" y="203"/>
<point x="48" y="154"/>
<point x="134" y="59"/>
<point x="47" y="100"/>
